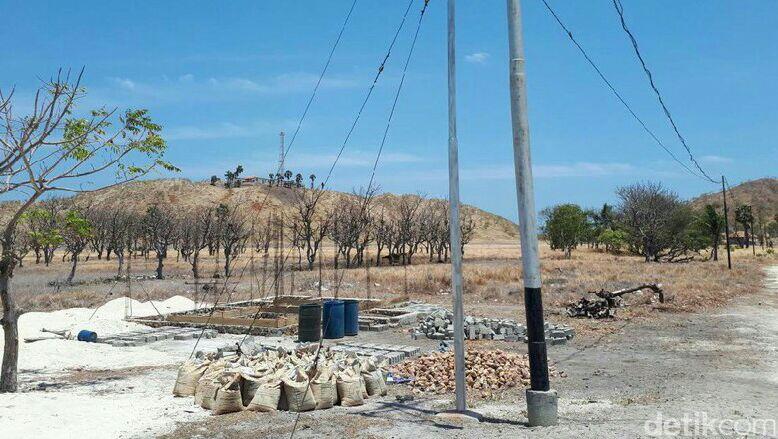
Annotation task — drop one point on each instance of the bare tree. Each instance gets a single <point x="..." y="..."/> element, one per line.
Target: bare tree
<point x="50" y="149"/>
<point x="311" y="223"/>
<point x="159" y="228"/>
<point x="76" y="233"/>
<point x="232" y="227"/>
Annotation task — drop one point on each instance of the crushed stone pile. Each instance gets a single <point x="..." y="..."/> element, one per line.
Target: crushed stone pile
<point x="487" y="372"/>
<point x="270" y="380"/>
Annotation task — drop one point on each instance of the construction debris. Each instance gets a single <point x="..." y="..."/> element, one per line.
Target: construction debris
<point x="487" y="372"/>
<point x="439" y="325"/>
<point x="607" y="302"/>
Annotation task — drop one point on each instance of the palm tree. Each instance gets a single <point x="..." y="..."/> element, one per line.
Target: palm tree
<point x="288" y="175"/>
<point x="712" y="223"/>
<point x="298" y="179"/>
<point x="312" y="177"/>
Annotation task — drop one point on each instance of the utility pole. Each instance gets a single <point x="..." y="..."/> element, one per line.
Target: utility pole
<point x="453" y="202"/>
<point x="541" y="400"/>
<point x="726" y="222"/>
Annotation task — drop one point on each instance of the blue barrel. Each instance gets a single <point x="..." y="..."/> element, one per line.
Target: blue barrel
<point x="332" y="322"/>
<point x="309" y="322"/>
<point x="351" y="318"/>
<point x="88" y="336"/>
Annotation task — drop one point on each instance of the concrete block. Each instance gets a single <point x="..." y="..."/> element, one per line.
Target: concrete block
<point x="541" y="408"/>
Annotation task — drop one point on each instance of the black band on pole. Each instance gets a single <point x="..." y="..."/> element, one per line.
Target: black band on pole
<point x="536" y="335"/>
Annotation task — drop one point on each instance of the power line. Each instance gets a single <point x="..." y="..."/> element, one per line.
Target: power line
<point x="617" y="94"/>
<point x="397" y="95"/>
<point x="620" y="10"/>
<point x="321" y="77"/>
<point x="369" y="92"/>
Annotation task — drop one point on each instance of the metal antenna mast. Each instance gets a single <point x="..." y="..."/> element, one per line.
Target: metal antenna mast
<point x="281" y="154"/>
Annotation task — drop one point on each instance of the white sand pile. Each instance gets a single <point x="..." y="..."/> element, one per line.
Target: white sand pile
<point x="58" y="354"/>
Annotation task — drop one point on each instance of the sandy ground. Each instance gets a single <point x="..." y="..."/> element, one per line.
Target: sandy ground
<point x="722" y="365"/>
<point x="711" y="375"/>
<point x="93" y="390"/>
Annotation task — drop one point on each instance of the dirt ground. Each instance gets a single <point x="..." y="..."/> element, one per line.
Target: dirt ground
<point x="712" y="374"/>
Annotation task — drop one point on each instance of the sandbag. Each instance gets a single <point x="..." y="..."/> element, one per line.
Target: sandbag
<point x="207" y="390"/>
<point x="188" y="375"/>
<point x="228" y="398"/>
<point x="266" y="397"/>
<point x="299" y="397"/>
<point x="349" y="388"/>
<point x="248" y="387"/>
<point x="374" y="383"/>
<point x="363" y="387"/>
<point x="324" y="389"/>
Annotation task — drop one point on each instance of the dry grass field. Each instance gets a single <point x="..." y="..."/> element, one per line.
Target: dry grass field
<point x="492" y="275"/>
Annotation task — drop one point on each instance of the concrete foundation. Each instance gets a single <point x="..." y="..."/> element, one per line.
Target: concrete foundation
<point x="541" y="408"/>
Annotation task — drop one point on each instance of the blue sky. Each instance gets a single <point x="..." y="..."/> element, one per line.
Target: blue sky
<point x="224" y="78"/>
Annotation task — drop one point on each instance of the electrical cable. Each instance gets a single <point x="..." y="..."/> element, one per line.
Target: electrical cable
<point x="616" y="92"/>
<point x="620" y="10"/>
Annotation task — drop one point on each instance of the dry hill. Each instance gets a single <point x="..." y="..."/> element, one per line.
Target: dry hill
<point x="761" y="194"/>
<point x="184" y="194"/>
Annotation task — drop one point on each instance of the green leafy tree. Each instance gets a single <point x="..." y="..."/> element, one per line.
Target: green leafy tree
<point x="565" y="227"/>
<point x="48" y="149"/>
<point x="613" y="240"/>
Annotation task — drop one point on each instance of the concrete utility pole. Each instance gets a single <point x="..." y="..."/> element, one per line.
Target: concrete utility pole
<point x="726" y="222"/>
<point x="541" y="400"/>
<point x="453" y="202"/>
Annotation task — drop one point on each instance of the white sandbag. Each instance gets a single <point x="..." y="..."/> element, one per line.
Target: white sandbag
<point x="349" y="387"/>
<point x="299" y="397"/>
<point x="207" y="390"/>
<point x="188" y="374"/>
<point x="374" y="383"/>
<point x="228" y="398"/>
<point x="266" y="397"/>
<point x="324" y="388"/>
<point x="248" y="387"/>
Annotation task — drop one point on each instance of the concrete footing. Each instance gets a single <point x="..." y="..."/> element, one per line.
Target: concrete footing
<point x="541" y="408"/>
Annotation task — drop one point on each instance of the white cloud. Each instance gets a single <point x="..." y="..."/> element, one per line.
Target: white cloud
<point x="189" y="88"/>
<point x="579" y="169"/>
<point x="223" y="130"/>
<point x="477" y="57"/>
<point x="357" y="159"/>
<point x="124" y="83"/>
<point x="715" y="159"/>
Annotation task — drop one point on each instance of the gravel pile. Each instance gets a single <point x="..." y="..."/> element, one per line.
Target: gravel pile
<point x="487" y="372"/>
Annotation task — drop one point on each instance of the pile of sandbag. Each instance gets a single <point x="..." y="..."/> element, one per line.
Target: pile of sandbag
<point x="486" y="372"/>
<point x="280" y="380"/>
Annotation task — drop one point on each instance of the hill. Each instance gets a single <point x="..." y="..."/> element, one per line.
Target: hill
<point x="185" y="194"/>
<point x="761" y="194"/>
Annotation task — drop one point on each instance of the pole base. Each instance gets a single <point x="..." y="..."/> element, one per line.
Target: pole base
<point x="541" y="408"/>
